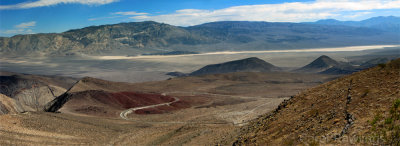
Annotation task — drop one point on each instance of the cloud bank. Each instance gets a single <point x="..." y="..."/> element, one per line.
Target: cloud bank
<point x="284" y="12"/>
<point x="22" y="28"/>
<point x="44" y="3"/>
<point x="130" y="13"/>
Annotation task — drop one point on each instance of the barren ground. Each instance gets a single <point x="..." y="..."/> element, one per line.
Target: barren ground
<point x="219" y="105"/>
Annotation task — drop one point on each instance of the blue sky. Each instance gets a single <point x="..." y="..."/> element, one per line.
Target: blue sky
<point x="46" y="16"/>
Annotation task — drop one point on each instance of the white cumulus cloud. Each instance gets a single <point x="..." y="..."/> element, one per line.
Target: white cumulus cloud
<point x="26" y="25"/>
<point x="130" y="13"/>
<point x="283" y="12"/>
<point x="43" y="3"/>
<point x="22" y="28"/>
<point x="121" y="14"/>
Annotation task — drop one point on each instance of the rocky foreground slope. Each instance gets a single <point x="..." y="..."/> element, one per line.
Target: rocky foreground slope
<point x="360" y="108"/>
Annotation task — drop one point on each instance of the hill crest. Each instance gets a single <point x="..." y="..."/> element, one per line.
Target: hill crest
<point x="252" y="64"/>
<point x="327" y="65"/>
<point x="320" y="64"/>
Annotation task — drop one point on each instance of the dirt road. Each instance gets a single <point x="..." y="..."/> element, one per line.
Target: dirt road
<point x="124" y="113"/>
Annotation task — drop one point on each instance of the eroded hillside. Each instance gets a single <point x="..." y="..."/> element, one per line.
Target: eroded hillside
<point x="32" y="92"/>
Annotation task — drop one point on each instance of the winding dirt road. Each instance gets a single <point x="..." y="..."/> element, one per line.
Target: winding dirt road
<point x="124" y="113"/>
<point x="246" y="113"/>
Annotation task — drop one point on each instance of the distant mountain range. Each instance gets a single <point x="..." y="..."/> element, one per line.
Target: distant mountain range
<point x="390" y="23"/>
<point x="149" y="37"/>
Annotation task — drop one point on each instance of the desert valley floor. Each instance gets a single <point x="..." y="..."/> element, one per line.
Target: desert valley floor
<point x="153" y="68"/>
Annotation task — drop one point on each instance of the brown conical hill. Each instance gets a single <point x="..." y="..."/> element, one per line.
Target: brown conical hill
<point x="320" y="64"/>
<point x="361" y="105"/>
<point x="252" y="64"/>
<point x="326" y="65"/>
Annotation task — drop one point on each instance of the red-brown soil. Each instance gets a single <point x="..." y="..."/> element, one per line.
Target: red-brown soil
<point x="164" y="109"/>
<point x="94" y="102"/>
<point x="132" y="99"/>
<point x="98" y="97"/>
<point x="184" y="102"/>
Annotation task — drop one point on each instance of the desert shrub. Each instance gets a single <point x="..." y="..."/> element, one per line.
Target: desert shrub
<point x="366" y="91"/>
<point x="376" y="119"/>
<point x="387" y="128"/>
<point x="388" y="120"/>
<point x="395" y="64"/>
<point x="288" y="142"/>
<point x="382" y="65"/>
<point x="313" y="143"/>
<point x="314" y="112"/>
<point x="396" y="103"/>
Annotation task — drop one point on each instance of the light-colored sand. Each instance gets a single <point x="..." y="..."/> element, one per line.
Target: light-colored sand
<point x="337" y="49"/>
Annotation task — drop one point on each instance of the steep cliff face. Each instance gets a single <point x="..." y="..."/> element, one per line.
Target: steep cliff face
<point x="32" y="92"/>
<point x="359" y="108"/>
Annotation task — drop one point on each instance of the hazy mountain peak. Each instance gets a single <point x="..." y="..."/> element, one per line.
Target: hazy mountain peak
<point x="255" y="59"/>
<point x="386" y="23"/>
<point x="323" y="61"/>
<point x="327" y="20"/>
<point x="383" y="18"/>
